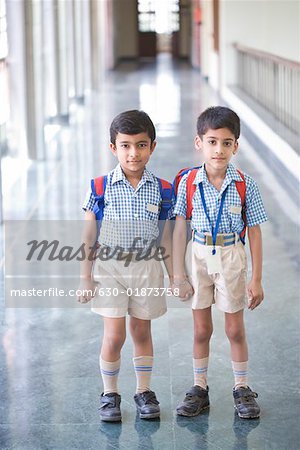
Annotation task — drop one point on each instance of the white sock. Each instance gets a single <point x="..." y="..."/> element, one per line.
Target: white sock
<point x="143" y="371"/>
<point x="109" y="372"/>
<point x="200" y="372"/>
<point x="240" y="372"/>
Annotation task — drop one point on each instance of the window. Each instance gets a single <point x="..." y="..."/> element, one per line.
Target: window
<point x="158" y="16"/>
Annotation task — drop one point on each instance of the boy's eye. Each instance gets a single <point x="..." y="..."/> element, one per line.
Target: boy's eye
<point x="124" y="145"/>
<point x="212" y="141"/>
<point x="142" y="145"/>
<point x="228" y="144"/>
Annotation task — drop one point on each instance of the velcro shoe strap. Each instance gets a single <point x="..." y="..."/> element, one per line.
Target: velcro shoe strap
<point x="239" y="393"/>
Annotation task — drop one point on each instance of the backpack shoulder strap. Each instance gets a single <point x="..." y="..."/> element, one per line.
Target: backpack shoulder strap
<point x="98" y="186"/>
<point x="165" y="189"/>
<point x="190" y="190"/>
<point x="178" y="178"/>
<point x="241" y="188"/>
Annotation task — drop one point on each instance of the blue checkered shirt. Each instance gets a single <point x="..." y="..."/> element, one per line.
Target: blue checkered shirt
<point x="231" y="222"/>
<point x="129" y="213"/>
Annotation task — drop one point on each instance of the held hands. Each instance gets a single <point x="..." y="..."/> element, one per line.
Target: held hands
<point x="255" y="294"/>
<point x="86" y="290"/>
<point x="182" y="288"/>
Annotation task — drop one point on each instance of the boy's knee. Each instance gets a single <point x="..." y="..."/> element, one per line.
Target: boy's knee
<point x="203" y="333"/>
<point x="114" y="340"/>
<point x="140" y="330"/>
<point x="235" y="334"/>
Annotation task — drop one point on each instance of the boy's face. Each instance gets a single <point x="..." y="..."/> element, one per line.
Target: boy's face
<point x="218" y="146"/>
<point x="133" y="152"/>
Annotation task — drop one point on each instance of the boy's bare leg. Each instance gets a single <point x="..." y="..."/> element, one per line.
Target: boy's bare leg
<point x="140" y="331"/>
<point x="235" y="331"/>
<point x="203" y="328"/>
<point x="113" y="338"/>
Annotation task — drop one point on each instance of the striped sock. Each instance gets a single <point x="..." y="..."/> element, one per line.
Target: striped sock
<point x="240" y="372"/>
<point x="109" y="372"/>
<point x="143" y="370"/>
<point x="200" y="372"/>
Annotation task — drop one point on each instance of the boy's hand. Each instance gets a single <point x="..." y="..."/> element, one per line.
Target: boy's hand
<point x="87" y="290"/>
<point x="255" y="294"/>
<point x="182" y="289"/>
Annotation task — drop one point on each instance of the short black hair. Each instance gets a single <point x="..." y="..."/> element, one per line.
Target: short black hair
<point x="218" y="117"/>
<point x="132" y="122"/>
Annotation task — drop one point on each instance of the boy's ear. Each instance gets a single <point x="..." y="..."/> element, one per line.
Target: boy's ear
<point x="236" y="148"/>
<point x="113" y="149"/>
<point x="153" y="145"/>
<point x="198" y="143"/>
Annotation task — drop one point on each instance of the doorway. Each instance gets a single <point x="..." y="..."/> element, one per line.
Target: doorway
<point x="158" y="27"/>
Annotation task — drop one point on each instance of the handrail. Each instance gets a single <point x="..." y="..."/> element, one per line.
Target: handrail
<point x="272" y="81"/>
<point x="265" y="55"/>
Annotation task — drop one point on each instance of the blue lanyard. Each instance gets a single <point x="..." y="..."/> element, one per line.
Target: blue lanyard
<point x="214" y="230"/>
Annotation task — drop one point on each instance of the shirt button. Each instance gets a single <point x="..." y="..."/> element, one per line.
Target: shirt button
<point x="135" y="215"/>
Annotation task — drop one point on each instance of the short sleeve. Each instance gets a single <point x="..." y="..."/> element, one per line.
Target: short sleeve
<point x="171" y="210"/>
<point x="89" y="201"/>
<point x="255" y="211"/>
<point x="180" y="206"/>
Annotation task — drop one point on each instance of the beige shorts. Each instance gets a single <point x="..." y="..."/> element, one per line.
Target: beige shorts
<point x="227" y="290"/>
<point x="137" y="290"/>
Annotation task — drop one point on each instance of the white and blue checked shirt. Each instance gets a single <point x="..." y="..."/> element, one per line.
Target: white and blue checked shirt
<point x="126" y="210"/>
<point x="231" y="222"/>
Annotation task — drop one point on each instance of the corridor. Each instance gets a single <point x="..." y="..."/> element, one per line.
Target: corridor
<point x="49" y="374"/>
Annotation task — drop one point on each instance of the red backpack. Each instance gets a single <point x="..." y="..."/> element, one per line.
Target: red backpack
<point x="191" y="187"/>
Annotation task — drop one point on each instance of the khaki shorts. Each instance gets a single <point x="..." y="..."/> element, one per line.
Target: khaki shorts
<point x="227" y="290"/>
<point x="136" y="289"/>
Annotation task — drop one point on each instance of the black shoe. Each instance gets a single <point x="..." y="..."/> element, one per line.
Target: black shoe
<point x="245" y="404"/>
<point x="196" y="400"/>
<point x="110" y="407"/>
<point x="147" y="405"/>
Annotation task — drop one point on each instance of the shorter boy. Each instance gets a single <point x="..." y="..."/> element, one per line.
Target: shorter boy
<point x="219" y="265"/>
<point x="132" y="203"/>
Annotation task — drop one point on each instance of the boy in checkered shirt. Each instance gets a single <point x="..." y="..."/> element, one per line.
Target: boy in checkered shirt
<point x="218" y="258"/>
<point x="132" y="203"/>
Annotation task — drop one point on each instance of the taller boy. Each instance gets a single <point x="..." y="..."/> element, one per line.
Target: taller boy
<point x="132" y="205"/>
<point x="219" y="265"/>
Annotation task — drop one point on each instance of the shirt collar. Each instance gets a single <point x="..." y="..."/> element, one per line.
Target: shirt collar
<point x="231" y="175"/>
<point x="118" y="175"/>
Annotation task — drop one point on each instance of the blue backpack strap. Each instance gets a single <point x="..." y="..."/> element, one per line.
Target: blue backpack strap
<point x="98" y="186"/>
<point x="166" y="192"/>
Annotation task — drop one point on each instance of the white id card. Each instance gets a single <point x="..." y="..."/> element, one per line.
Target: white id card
<point x="235" y="209"/>
<point x="152" y="208"/>
<point x="214" y="262"/>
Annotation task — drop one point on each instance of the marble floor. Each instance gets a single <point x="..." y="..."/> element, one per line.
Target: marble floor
<point x="49" y="375"/>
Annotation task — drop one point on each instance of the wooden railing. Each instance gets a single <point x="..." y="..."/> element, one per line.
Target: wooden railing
<point x="272" y="81"/>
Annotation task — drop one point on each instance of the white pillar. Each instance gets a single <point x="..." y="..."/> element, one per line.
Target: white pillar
<point x="60" y="61"/>
<point x="78" y="50"/>
<point x="24" y="28"/>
